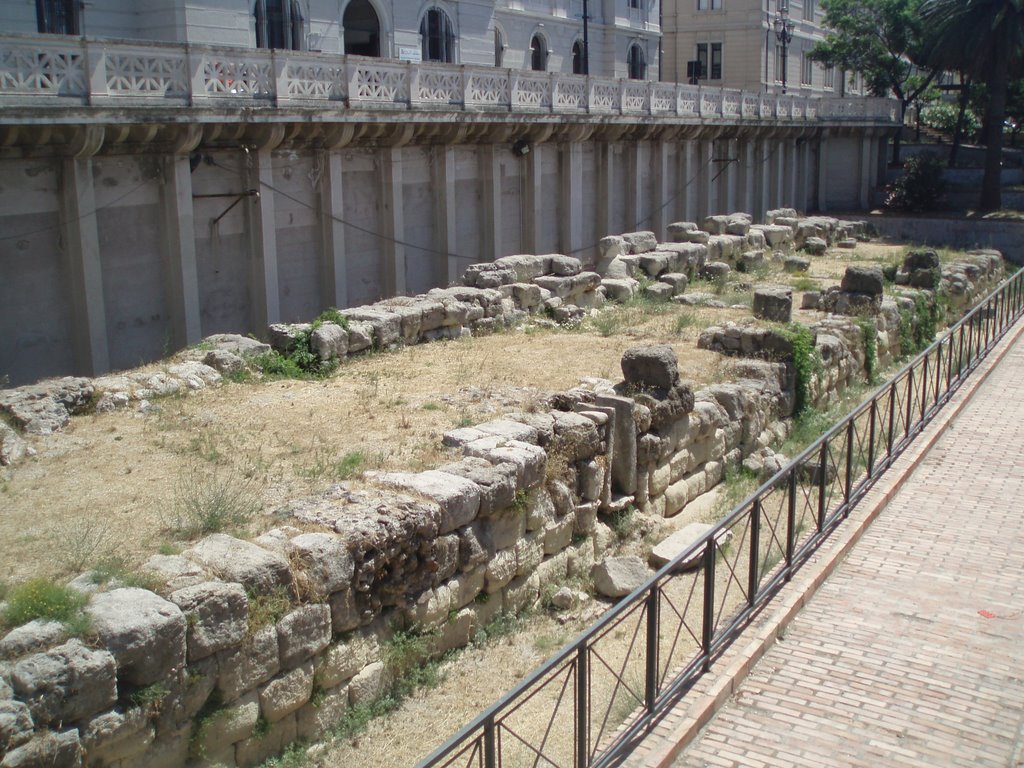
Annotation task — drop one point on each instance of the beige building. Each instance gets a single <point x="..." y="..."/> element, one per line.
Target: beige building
<point x="736" y="43"/>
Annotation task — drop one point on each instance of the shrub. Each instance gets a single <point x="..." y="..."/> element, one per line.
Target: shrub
<point x="42" y="599"/>
<point x="806" y="363"/>
<point x="942" y="116"/>
<point x="921" y="186"/>
<point x="208" y="501"/>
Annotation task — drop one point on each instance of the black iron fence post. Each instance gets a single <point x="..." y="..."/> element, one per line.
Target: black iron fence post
<point x="791" y="524"/>
<point x="822" y="472"/>
<point x="871" y="437"/>
<point x="490" y="748"/>
<point x="951" y="342"/>
<point x="582" y="707"/>
<point x="708" y="630"/>
<point x="651" y="678"/>
<point x="892" y="420"/>
<point x="910" y="398"/>
<point x="924" y="387"/>
<point x="755" y="551"/>
<point x="849" y="462"/>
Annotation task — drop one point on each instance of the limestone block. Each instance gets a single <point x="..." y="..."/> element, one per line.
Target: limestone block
<point x="545" y="504"/>
<point x="715" y="270"/>
<point x="66" y="683"/>
<point x="773" y="303"/>
<point x="360" y="336"/>
<point x="283" y="336"/>
<point x="756" y="239"/>
<point x="387" y="326"/>
<point x="12" y="447"/>
<point x="458" y="498"/>
<point x="620" y="289"/>
<point x="466" y="586"/>
<point x="677" y="230"/>
<point x="316" y="718"/>
<point x="286" y="692"/>
<point x="367" y="685"/>
<point x="576" y="436"/>
<point x="750" y="261"/>
<point x="654" y="365"/>
<point x="16" y="726"/>
<point x="345" y="614"/>
<point x="526" y="296"/>
<point x="227" y="725"/>
<point x="342" y="661"/>
<point x="618" y="576"/>
<point x="507" y="429"/>
<point x="714" y="225"/>
<point x="525" y="266"/>
<point x="216" y="615"/>
<point x="658" y="480"/>
<point x="659" y="291"/>
<point x="529" y="460"/>
<point x="676" y="497"/>
<point x="815" y="246"/>
<point x="231" y="559"/>
<point x="655" y="263"/>
<point x="522" y="593"/>
<point x="324" y="561"/>
<point x="609" y="248"/>
<point x="302" y="633"/>
<point x="558" y="534"/>
<point x="529" y="553"/>
<point x="37" y="635"/>
<point x="863" y="279"/>
<point x="329" y="341"/>
<point x="640" y="242"/>
<point x="48" y="749"/>
<point x="175" y="571"/>
<point x="501" y="569"/>
<point x="564" y="265"/>
<point x="244" y="667"/>
<point x="667" y="550"/>
<point x="117" y="736"/>
<point x="431" y="607"/>
<point x="260" y="747"/>
<point x="144" y="632"/>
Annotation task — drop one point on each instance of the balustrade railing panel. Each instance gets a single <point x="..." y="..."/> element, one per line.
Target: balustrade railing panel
<point x="374" y="82"/>
<point x="237" y="74"/>
<point x="143" y="72"/>
<point x="312" y="79"/>
<point x="53" y="68"/>
<point x="624" y="671"/>
<point x="531" y="90"/>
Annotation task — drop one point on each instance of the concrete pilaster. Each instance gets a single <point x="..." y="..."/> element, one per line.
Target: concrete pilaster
<point x="822" y="175"/>
<point x="603" y="151"/>
<point x="264" y="294"/>
<point x="792" y="170"/>
<point x="748" y="175"/>
<point x="446" y="214"/>
<point x="732" y="202"/>
<point x="865" y="168"/>
<point x="490" y="186"/>
<point x="633" y="185"/>
<point x="691" y="179"/>
<point x="766" y="171"/>
<point x="392" y="222"/>
<point x="780" y="174"/>
<point x="181" y="275"/>
<point x="571" y="179"/>
<point x="334" y="262"/>
<point x="84" y="268"/>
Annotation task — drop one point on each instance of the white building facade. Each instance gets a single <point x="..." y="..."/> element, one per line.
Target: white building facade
<point x="544" y="35"/>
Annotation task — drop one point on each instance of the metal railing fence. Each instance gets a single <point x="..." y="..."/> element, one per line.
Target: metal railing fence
<point x="588" y="703"/>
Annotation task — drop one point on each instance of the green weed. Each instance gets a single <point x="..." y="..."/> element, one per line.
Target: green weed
<point x="42" y="599"/>
<point x="349" y="465"/>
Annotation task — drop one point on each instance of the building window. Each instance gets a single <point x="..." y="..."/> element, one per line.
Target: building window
<point x="709" y="5"/>
<point x="362" y="29"/>
<point x="278" y="24"/>
<point x="538" y="54"/>
<point x="806" y="70"/>
<point x="779" y="63"/>
<point x="577" y="58"/>
<point x="636" y="63"/>
<point x="437" y="37"/>
<point x="499" y="47"/>
<point x="57" y="17"/>
<point x="809" y="10"/>
<point x="634" y="3"/>
<point x="710" y="57"/>
<point x="830" y="77"/>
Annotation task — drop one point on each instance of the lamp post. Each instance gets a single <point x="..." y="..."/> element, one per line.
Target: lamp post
<point x="586" y="38"/>
<point x="784" y="34"/>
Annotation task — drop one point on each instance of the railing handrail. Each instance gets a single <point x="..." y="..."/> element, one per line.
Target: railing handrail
<point x="56" y="70"/>
<point x="708" y="542"/>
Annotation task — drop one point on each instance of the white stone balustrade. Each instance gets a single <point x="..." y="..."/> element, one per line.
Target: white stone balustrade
<point x="45" y="70"/>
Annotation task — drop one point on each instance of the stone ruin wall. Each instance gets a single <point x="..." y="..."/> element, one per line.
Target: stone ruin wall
<point x="444" y="551"/>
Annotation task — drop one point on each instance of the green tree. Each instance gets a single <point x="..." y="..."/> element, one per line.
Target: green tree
<point x="986" y="39"/>
<point x="882" y="39"/>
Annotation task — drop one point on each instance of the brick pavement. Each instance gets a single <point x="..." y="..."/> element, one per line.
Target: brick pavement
<point x="911" y="653"/>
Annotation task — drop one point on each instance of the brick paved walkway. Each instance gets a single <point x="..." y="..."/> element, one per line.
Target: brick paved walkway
<point x="912" y="652"/>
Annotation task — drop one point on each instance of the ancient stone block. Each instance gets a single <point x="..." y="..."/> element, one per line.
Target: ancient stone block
<point x="66" y="683"/>
<point x="216" y="614"/>
<point x="655" y="365"/>
<point x="286" y="692"/>
<point x="231" y="559"/>
<point x="774" y="303"/>
<point x="304" y="631"/>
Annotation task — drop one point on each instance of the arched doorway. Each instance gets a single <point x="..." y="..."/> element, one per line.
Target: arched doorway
<point x="538" y="54"/>
<point x="636" y="63"/>
<point x="577" y="59"/>
<point x="437" y="36"/>
<point x="362" y="29"/>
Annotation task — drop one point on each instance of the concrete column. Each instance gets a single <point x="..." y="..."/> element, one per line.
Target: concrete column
<point x="822" y="175"/>
<point x="181" y="283"/>
<point x="766" y="173"/>
<point x="692" y="179"/>
<point x="334" y="261"/>
<point x="748" y="176"/>
<point x="490" y="181"/>
<point x="392" y="222"/>
<point x="84" y="268"/>
<point x="605" y="217"/>
<point x="264" y="294"/>
<point x="445" y="214"/>
<point x="662" y="192"/>
<point x="633" y="185"/>
<point x="709" y="169"/>
<point x="571" y="180"/>
<point x="732" y="199"/>
<point x="792" y="170"/>
<point x="780" y="174"/>
<point x="865" y="169"/>
<point x="806" y="175"/>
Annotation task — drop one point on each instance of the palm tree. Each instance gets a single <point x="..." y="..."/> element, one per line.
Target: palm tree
<point x="984" y="38"/>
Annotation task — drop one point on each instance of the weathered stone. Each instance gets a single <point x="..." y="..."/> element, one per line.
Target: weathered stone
<point x="576" y="437"/>
<point x="266" y="743"/>
<point x="847" y="243"/>
<point x="774" y="303"/>
<point x="360" y="336"/>
<point x="66" y="683"/>
<point x="245" y="666"/>
<point x="654" y="365"/>
<point x="659" y="291"/>
<point x="216" y="614"/>
<point x="368" y="684"/>
<point x="618" y="576"/>
<point x="324" y="563"/>
<point x="16" y="725"/>
<point x="329" y="341"/>
<point x="667" y="550"/>
<point x="608" y="249"/>
<point x="750" y="261"/>
<point x="36" y="635"/>
<point x="815" y="246"/>
<point x="640" y="242"/>
<point x="47" y="750"/>
<point x="117" y="736"/>
<point x="861" y="279"/>
<point x="236" y="344"/>
<point x="457" y="498"/>
<point x="286" y="692"/>
<point x="302" y="633"/>
<point x="46" y="407"/>
<point x="620" y="289"/>
<point x="796" y="264"/>
<point x="715" y="270"/>
<point x="316" y="718"/>
<point x="529" y="460"/>
<point x="144" y="632"/>
<point x="231" y="559"/>
<point x="230" y="724"/>
<point x="283" y="336"/>
<point x="13" y="447"/>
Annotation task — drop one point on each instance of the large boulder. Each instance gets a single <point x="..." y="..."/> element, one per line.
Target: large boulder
<point x="231" y="559"/>
<point x="618" y="576"/>
<point x="216" y="614"/>
<point x="774" y="303"/>
<point x="144" y="632"/>
<point x="863" y="279"/>
<point x="66" y="683"/>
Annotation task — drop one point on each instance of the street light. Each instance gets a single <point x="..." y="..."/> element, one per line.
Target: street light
<point x="784" y="34"/>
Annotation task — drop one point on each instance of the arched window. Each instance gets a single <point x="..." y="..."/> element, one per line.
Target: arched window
<point x="579" y="65"/>
<point x="278" y="24"/>
<point x="362" y="29"/>
<point x="636" y="63"/>
<point x="437" y="36"/>
<point x="499" y="47"/>
<point x="538" y="54"/>
<point x="57" y="17"/>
